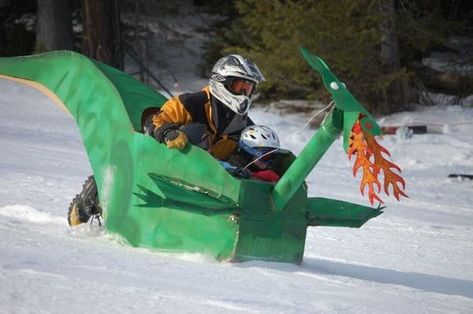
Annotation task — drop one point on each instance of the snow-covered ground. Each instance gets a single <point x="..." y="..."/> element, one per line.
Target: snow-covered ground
<point x="415" y="258"/>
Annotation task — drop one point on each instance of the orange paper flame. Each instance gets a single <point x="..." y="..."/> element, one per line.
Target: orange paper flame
<point x="369" y="157"/>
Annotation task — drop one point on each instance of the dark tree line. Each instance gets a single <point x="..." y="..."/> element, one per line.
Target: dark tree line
<point x="376" y="46"/>
<point x="98" y="22"/>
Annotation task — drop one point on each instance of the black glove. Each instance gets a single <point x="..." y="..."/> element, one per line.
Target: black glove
<point x="171" y="136"/>
<point x="240" y="173"/>
<point x="175" y="139"/>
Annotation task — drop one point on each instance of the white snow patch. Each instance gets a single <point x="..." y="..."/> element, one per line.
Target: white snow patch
<point x="28" y="213"/>
<point x="415" y="258"/>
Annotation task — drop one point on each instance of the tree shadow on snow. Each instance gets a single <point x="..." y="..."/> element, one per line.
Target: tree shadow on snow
<point x="426" y="282"/>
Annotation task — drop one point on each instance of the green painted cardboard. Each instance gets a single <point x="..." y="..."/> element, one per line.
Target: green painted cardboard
<point x="156" y="197"/>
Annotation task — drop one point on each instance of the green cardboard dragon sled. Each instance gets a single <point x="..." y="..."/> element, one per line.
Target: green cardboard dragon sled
<point x="184" y="201"/>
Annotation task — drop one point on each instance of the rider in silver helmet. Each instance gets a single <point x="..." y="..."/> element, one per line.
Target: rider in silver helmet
<point x="222" y="107"/>
<point x="233" y="81"/>
<point x="258" y="147"/>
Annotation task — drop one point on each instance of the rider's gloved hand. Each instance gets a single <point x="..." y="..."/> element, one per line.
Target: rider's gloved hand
<point x="170" y="135"/>
<point x="235" y="171"/>
<point x="175" y="139"/>
<point x="242" y="173"/>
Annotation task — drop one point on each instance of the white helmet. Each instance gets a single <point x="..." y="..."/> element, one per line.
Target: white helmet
<point x="233" y="81"/>
<point x="257" y="140"/>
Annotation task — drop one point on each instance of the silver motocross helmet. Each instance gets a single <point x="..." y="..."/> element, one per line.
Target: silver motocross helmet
<point x="259" y="136"/>
<point x="260" y="142"/>
<point x="233" y="81"/>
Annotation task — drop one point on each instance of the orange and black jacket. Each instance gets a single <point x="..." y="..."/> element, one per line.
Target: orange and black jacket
<point x="224" y="125"/>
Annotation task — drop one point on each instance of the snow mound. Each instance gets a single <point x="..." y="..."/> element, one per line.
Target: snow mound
<point x="30" y="214"/>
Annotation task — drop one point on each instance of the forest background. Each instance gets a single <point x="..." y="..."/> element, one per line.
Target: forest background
<point x="384" y="50"/>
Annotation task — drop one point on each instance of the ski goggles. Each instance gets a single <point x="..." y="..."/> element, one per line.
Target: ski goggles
<point x="239" y="86"/>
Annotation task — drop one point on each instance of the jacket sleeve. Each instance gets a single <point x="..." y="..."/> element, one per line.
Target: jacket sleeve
<point x="172" y="115"/>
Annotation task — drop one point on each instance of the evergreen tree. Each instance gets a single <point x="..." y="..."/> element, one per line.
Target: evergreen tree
<point x="352" y="36"/>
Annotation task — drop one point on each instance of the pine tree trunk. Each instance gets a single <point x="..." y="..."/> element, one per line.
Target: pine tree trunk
<point x="54" y="26"/>
<point x="390" y="56"/>
<point x="101" y="37"/>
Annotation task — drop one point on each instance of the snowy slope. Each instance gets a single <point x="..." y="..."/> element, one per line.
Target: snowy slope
<point x="415" y="258"/>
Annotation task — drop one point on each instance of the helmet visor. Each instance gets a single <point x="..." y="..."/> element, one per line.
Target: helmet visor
<point x="239" y="86"/>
